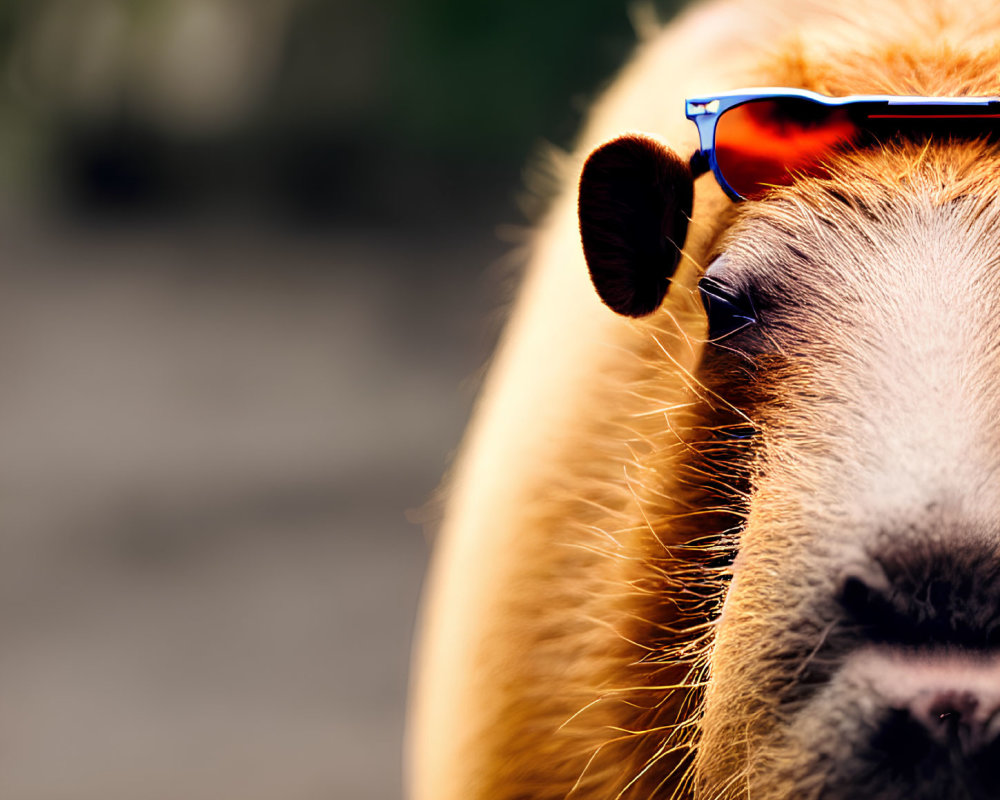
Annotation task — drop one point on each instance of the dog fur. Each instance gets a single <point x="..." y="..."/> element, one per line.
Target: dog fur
<point x="635" y="588"/>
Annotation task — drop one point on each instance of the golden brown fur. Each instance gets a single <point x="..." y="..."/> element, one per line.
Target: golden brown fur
<point x="574" y="607"/>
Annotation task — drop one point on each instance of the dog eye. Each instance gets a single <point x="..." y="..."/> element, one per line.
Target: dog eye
<point x="729" y="310"/>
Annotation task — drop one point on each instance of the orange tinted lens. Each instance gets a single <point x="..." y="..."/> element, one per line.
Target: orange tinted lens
<point x="763" y="143"/>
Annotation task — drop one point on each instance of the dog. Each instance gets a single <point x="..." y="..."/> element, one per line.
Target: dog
<point x="734" y="532"/>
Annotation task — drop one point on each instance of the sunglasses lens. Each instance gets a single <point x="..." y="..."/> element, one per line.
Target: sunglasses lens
<point x="764" y="143"/>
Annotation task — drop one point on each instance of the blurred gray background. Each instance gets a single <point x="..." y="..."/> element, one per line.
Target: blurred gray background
<point x="249" y="275"/>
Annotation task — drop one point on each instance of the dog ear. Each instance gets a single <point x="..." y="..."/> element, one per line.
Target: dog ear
<point x="635" y="203"/>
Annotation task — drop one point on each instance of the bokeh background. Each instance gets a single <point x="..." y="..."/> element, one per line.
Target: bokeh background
<point x="253" y="257"/>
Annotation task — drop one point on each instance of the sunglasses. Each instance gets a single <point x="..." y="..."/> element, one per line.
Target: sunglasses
<point x="756" y="139"/>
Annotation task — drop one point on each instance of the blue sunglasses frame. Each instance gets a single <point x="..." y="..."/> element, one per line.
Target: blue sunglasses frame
<point x="706" y="111"/>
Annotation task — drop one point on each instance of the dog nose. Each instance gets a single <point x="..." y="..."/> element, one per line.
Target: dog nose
<point x="936" y="714"/>
<point x="957" y="719"/>
<point x="929" y="716"/>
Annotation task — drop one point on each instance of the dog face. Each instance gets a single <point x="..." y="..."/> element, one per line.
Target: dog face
<point x="861" y="620"/>
<point x="853" y="325"/>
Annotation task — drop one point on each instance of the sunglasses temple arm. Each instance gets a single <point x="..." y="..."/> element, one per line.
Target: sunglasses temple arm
<point x="699" y="164"/>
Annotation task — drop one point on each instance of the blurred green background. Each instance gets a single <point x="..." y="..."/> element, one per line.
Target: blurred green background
<point x="249" y="275"/>
<point x="322" y="109"/>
